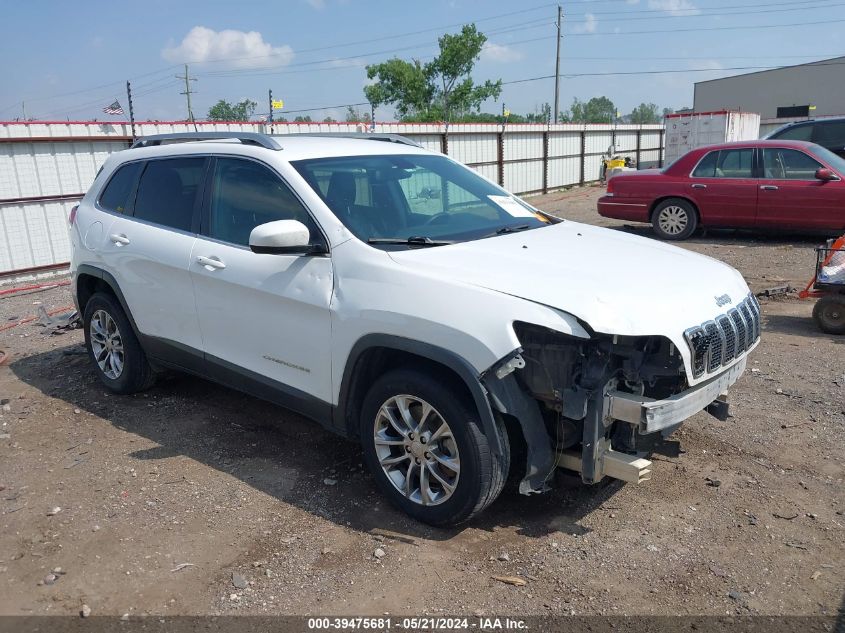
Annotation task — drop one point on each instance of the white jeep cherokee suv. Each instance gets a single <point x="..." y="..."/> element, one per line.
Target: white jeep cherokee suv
<point x="401" y="299"/>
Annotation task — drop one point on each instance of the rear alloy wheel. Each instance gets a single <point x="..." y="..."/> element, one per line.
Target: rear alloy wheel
<point x="829" y="313"/>
<point x="424" y="444"/>
<point x="674" y="219"/>
<point x="119" y="360"/>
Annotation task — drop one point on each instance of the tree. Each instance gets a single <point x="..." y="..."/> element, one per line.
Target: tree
<point x="596" y="110"/>
<point x="668" y="111"/>
<point x="439" y="90"/>
<point x="328" y="119"/>
<point x="354" y="115"/>
<point x="225" y="111"/>
<point x="303" y="119"/>
<point x="645" y="113"/>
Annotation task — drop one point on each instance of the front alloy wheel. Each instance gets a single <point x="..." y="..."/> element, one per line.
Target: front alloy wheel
<point x="416" y="450"/>
<point x="426" y="447"/>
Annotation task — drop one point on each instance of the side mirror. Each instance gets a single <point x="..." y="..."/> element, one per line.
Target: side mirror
<point x="822" y="173"/>
<point x="283" y="237"/>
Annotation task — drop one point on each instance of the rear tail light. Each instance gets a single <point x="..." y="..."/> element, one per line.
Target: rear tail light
<point x="610" y="185"/>
<point x="72" y="217"/>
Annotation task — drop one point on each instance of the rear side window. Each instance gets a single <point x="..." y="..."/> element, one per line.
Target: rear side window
<point x="115" y="196"/>
<point x="796" y="133"/>
<point x="726" y="163"/>
<point x="831" y="135"/>
<point x="707" y="167"/>
<point x="167" y="193"/>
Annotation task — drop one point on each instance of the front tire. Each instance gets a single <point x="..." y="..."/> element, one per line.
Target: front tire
<point x="423" y="442"/>
<point x="829" y="314"/>
<point x="118" y="359"/>
<point x="674" y="219"/>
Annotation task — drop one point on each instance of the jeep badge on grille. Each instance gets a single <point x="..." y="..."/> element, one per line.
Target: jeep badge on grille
<point x="722" y="300"/>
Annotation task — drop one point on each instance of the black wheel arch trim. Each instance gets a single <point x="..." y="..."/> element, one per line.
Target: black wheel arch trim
<point x="510" y="398"/>
<point x="108" y="278"/>
<point x="448" y="358"/>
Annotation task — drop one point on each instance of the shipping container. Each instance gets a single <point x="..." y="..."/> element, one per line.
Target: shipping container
<point x="686" y="131"/>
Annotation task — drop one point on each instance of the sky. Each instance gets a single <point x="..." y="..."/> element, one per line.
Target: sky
<point x="61" y="60"/>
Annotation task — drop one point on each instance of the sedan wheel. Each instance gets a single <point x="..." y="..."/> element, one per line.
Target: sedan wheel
<point x="674" y="219"/>
<point x="416" y="450"/>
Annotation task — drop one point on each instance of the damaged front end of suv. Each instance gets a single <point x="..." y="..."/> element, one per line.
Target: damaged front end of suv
<point x="600" y="406"/>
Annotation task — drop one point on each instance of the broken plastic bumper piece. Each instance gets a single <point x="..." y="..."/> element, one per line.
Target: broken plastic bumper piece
<point x="651" y="415"/>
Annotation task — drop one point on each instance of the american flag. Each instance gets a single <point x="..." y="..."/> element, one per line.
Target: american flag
<point x="114" y="109"/>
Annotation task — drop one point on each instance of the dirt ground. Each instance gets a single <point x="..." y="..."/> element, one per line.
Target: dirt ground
<point x="194" y="499"/>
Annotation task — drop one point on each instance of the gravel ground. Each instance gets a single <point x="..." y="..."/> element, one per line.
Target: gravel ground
<point x="194" y="499"/>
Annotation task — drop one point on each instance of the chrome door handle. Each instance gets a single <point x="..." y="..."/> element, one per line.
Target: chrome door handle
<point x="211" y="262"/>
<point x="698" y="185"/>
<point x="768" y="187"/>
<point x="119" y="239"/>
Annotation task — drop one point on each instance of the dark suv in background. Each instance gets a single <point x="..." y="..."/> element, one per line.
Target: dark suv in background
<point x="829" y="133"/>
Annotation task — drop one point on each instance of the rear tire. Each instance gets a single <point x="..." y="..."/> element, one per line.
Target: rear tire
<point x="441" y="471"/>
<point x="674" y="219"/>
<point x="829" y="313"/>
<point x="114" y="349"/>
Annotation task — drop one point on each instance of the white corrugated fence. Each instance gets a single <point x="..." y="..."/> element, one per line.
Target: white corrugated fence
<point x="45" y="167"/>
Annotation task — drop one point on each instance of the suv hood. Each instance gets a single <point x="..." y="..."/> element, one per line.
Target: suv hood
<point x="614" y="282"/>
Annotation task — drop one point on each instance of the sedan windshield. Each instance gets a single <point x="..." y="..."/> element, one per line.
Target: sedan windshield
<point x="416" y="200"/>
<point x="834" y="160"/>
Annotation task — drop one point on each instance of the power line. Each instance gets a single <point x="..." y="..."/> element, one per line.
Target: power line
<point x="658" y="72"/>
<point x="714" y="28"/>
<point x="698" y="13"/>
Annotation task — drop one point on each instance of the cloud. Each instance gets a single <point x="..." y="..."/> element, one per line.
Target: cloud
<point x="500" y="53"/>
<point x="242" y="49"/>
<point x="632" y="1"/>
<point x="675" y="7"/>
<point x="318" y="4"/>
<point x="349" y="62"/>
<point x="713" y="64"/>
<point x="588" y="25"/>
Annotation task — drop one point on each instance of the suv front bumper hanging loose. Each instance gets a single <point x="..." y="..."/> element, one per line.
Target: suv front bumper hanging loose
<point x="651" y="415"/>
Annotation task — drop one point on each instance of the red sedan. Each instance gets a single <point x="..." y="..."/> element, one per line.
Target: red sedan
<point x="748" y="184"/>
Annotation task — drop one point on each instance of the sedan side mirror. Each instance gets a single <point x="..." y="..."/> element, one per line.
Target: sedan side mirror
<point x="822" y="173"/>
<point x="283" y="237"/>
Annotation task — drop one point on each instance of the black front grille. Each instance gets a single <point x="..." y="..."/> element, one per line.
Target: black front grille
<point x="716" y="343"/>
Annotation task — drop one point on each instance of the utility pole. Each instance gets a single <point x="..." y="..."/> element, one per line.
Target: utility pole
<point x="270" y="101"/>
<point x="23" y="109"/>
<point x="557" y="65"/>
<point x="131" y="110"/>
<point x="188" y="91"/>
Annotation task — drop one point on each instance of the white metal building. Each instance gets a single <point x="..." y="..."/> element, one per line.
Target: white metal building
<point x="780" y="95"/>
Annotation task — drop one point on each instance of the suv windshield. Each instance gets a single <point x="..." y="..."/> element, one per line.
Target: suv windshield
<point x="415" y="200"/>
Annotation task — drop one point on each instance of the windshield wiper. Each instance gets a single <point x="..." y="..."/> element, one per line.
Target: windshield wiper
<point x="414" y="240"/>
<point x="509" y="229"/>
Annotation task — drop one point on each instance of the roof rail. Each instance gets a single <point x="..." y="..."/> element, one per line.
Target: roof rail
<point x="367" y="136"/>
<point x="247" y="138"/>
